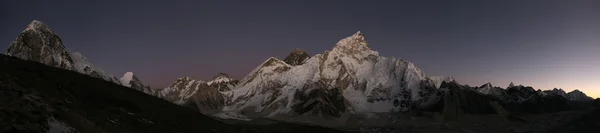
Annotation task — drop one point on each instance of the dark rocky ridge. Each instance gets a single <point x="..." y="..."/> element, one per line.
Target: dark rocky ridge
<point x="296" y="57"/>
<point x="33" y="93"/>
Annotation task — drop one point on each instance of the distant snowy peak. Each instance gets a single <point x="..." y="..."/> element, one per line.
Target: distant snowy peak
<point x="577" y="95"/>
<point x="180" y="91"/>
<point x="296" y="57"/>
<point x="82" y="65"/>
<point x="127" y="78"/>
<point x="269" y="67"/>
<point x="220" y="77"/>
<point x="438" y="80"/>
<point x="556" y="91"/>
<point x="38" y="26"/>
<point x="222" y="82"/>
<point x="486" y="88"/>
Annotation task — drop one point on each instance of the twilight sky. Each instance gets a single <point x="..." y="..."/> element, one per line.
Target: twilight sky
<point x="543" y="43"/>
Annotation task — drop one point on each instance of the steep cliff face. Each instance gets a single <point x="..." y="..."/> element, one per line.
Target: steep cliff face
<point x="296" y="57"/>
<point x="39" y="43"/>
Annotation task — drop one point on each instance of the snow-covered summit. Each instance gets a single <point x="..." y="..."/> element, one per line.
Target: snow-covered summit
<point x="220" y="77"/>
<point x="126" y="79"/>
<point x="511" y="85"/>
<point x="486" y="88"/>
<point x="181" y="91"/>
<point x="577" y="95"/>
<point x="438" y="80"/>
<point x="38" y="26"/>
<point x="355" y="46"/>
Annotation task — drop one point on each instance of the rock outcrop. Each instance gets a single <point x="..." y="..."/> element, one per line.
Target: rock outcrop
<point x="296" y="57"/>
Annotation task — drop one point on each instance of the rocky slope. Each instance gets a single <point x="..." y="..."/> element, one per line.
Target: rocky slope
<point x="37" y="98"/>
<point x="129" y="79"/>
<point x="39" y="43"/>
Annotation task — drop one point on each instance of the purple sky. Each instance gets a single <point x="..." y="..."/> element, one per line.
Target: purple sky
<point x="544" y="43"/>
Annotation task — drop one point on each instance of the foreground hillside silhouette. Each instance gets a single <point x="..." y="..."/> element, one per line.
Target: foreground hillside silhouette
<point x="36" y="98"/>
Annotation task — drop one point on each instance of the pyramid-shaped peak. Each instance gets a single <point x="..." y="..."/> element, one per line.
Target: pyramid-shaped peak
<point x="353" y="44"/>
<point x="127" y="78"/>
<point x="128" y="74"/>
<point x="488" y="84"/>
<point x="221" y="75"/>
<point x="36" y="24"/>
<point x="296" y="57"/>
<point x="511" y="85"/>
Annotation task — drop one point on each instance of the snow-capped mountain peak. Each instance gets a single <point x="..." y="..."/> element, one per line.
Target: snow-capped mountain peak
<point x="82" y="65"/>
<point x="511" y="85"/>
<point x="577" y="95"/>
<point x="219" y="78"/>
<point x="126" y="79"/>
<point x="354" y="45"/>
<point x="488" y="85"/>
<point x="180" y="91"/>
<point x="486" y="89"/>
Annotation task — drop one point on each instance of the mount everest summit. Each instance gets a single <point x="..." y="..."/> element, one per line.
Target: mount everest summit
<point x="351" y="78"/>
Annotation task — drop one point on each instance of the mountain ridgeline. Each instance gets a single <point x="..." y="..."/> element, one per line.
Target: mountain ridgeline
<point x="349" y="81"/>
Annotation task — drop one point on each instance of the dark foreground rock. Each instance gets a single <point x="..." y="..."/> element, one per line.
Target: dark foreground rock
<point x="589" y="123"/>
<point x="39" y="98"/>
